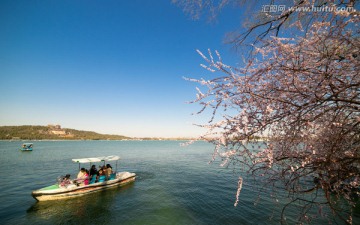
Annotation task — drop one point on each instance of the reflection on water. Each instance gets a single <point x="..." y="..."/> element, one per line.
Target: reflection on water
<point x="87" y="209"/>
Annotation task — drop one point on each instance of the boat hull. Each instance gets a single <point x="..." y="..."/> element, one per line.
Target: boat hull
<point x="55" y="192"/>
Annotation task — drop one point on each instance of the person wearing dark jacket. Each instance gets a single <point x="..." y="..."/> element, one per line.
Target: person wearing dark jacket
<point x="93" y="171"/>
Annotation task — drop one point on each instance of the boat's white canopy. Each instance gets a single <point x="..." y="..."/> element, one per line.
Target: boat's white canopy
<point x="111" y="158"/>
<point x="97" y="159"/>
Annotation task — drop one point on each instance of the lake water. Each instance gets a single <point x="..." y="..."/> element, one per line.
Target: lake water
<point x="174" y="185"/>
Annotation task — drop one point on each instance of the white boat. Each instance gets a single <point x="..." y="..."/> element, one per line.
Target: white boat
<point x="58" y="191"/>
<point x="27" y="147"/>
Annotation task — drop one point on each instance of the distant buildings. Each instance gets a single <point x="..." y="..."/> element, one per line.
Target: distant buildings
<point x="56" y="129"/>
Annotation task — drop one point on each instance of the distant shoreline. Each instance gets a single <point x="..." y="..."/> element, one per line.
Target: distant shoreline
<point x="135" y="139"/>
<point x="57" y="133"/>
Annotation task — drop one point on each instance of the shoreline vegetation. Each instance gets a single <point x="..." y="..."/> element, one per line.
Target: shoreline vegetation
<point x="56" y="132"/>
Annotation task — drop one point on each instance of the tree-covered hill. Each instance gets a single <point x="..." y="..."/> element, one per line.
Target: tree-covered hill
<point x="52" y="132"/>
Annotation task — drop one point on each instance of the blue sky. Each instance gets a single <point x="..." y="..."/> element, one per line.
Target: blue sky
<point x="108" y="66"/>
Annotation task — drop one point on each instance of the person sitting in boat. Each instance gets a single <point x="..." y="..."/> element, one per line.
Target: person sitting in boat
<point x="104" y="169"/>
<point x="101" y="176"/>
<point x="108" y="170"/>
<point x="65" y="181"/>
<point x="86" y="181"/>
<point x="82" y="177"/>
<point x="93" y="171"/>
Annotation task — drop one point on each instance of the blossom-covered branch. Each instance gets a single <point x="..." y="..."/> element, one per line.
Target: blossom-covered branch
<point x="301" y="94"/>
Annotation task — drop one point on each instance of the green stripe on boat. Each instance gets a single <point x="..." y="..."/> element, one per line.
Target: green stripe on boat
<point x="52" y="187"/>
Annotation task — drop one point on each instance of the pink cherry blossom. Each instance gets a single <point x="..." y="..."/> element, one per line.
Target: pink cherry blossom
<point x="301" y="96"/>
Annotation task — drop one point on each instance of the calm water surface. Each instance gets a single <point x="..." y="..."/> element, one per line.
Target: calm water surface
<point x="175" y="185"/>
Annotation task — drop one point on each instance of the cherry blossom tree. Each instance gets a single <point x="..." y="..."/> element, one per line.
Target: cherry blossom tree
<point x="300" y="92"/>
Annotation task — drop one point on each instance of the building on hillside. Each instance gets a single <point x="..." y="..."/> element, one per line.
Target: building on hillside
<point x="56" y="129"/>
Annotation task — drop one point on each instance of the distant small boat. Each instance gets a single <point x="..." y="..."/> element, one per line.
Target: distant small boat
<point x="27" y="147"/>
<point x="59" y="191"/>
